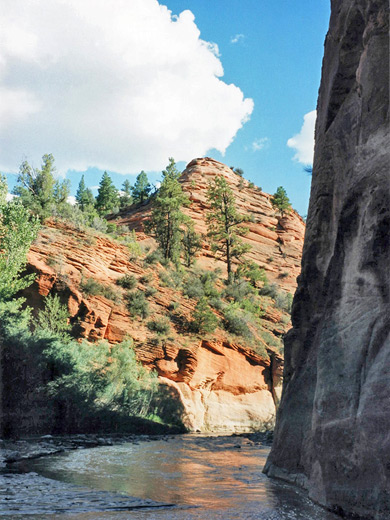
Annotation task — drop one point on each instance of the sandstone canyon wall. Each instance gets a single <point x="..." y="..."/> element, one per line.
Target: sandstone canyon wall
<point x="333" y="426"/>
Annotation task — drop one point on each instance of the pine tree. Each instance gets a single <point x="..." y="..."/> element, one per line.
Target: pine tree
<point x="126" y="198"/>
<point x="38" y="190"/>
<point x="107" y="198"/>
<point x="167" y="217"/>
<point x="141" y="188"/>
<point x="224" y="223"/>
<point x="280" y="201"/>
<point x="84" y="196"/>
<point x="192" y="243"/>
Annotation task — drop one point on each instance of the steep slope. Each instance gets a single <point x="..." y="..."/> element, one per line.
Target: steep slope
<point x="276" y="242"/>
<point x="332" y="433"/>
<point x="224" y="382"/>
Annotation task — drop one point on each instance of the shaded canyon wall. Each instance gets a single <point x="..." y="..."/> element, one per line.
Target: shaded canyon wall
<point x="333" y="426"/>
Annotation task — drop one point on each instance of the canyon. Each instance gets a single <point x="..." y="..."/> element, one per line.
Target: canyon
<point x="332" y="431"/>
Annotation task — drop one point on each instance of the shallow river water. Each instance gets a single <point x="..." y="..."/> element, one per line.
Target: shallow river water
<point x="178" y="478"/>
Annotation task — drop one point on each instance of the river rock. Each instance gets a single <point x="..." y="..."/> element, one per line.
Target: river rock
<point x="332" y="433"/>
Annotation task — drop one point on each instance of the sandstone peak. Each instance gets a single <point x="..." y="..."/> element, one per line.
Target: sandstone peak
<point x="224" y="383"/>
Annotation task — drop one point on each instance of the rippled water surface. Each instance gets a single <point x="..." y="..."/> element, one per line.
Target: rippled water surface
<point x="182" y="477"/>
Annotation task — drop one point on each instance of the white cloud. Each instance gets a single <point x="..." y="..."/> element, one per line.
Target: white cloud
<point x="10" y="196"/>
<point x="237" y="38"/>
<point x="121" y="86"/>
<point x="303" y="142"/>
<point x="260" y="144"/>
<point x="71" y="200"/>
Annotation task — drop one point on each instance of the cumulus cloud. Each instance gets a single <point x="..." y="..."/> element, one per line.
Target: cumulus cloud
<point x="121" y="86"/>
<point x="260" y="144"/>
<point x="303" y="143"/>
<point x="237" y="38"/>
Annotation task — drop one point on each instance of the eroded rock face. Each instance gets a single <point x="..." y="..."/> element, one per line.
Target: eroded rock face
<point x="223" y="386"/>
<point x="332" y="433"/>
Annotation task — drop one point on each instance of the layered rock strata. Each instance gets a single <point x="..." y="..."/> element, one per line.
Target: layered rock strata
<point x="333" y="425"/>
<point x="222" y="384"/>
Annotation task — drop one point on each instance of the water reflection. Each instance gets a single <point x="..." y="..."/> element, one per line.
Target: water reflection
<point x="218" y="477"/>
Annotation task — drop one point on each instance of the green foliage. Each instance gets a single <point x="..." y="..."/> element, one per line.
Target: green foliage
<point x="91" y="287"/>
<point x="238" y="171"/>
<point x="107" y="198"/>
<point x="54" y="317"/>
<point x="173" y="306"/>
<point x="270" y="290"/>
<point x="154" y="257"/>
<point x="204" y="320"/>
<point x="167" y="217"/>
<point x="280" y="201"/>
<point x="126" y="198"/>
<point x="141" y="188"/>
<point x="3" y="189"/>
<point x="39" y="191"/>
<point x="150" y="291"/>
<point x="128" y="281"/>
<point x="252" y="272"/>
<point x="225" y="223"/>
<point x="238" y="289"/>
<point x="200" y="283"/>
<point x="171" y="278"/>
<point x="161" y="326"/>
<point x="251" y="185"/>
<point x="146" y="278"/>
<point x="17" y="231"/>
<point x="236" y="322"/>
<point x="192" y="243"/>
<point x="137" y="304"/>
<point x="284" y="301"/>
<point x="84" y="196"/>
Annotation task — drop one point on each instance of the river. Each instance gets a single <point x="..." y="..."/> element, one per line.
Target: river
<point x="183" y="477"/>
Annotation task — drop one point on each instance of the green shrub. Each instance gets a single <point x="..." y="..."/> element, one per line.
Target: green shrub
<point x="150" y="291"/>
<point x="171" y="278"/>
<point x="204" y="320"/>
<point x="216" y="303"/>
<point x="271" y="340"/>
<point x="146" y="278"/>
<point x="238" y="290"/>
<point x="236" y="322"/>
<point x="91" y="287"/>
<point x="193" y="288"/>
<point x="154" y="258"/>
<point x="128" y="281"/>
<point x="270" y="290"/>
<point x="284" y="274"/>
<point x="173" y="306"/>
<point x="251" y="185"/>
<point x="161" y="326"/>
<point x="283" y="301"/>
<point x="54" y="317"/>
<point x="137" y="304"/>
<point x="201" y="283"/>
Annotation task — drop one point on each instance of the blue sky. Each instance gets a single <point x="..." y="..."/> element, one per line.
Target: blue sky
<point x="123" y="90"/>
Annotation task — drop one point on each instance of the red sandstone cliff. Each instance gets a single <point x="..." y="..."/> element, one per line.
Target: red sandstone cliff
<point x="223" y="384"/>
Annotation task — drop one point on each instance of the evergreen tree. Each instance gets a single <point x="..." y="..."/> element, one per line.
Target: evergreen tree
<point x="192" y="243"/>
<point x="84" y="196"/>
<point x="141" y="188"/>
<point x="38" y="190"/>
<point x="280" y="201"/>
<point x="126" y="198"/>
<point x="107" y="198"/>
<point x="204" y="318"/>
<point x="167" y="217"/>
<point x="224" y="223"/>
